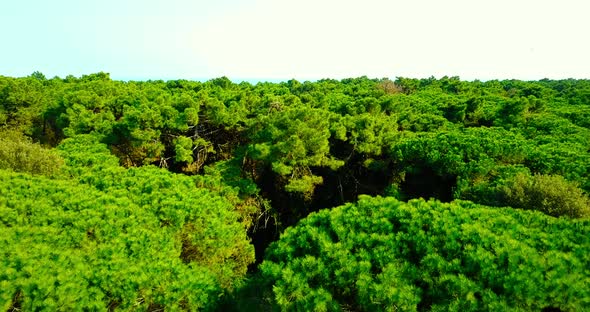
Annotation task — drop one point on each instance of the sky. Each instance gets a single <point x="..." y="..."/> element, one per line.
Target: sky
<point x="259" y="40"/>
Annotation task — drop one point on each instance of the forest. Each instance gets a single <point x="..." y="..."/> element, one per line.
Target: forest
<point x="333" y="195"/>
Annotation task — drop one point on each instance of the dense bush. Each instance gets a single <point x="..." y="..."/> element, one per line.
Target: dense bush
<point x="551" y="194"/>
<point x="18" y="153"/>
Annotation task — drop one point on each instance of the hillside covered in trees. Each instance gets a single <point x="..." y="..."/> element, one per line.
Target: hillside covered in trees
<point x="353" y="195"/>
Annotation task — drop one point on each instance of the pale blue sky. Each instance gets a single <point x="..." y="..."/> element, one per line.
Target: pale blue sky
<point x="303" y="39"/>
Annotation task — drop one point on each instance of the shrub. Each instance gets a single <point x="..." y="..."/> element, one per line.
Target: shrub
<point x="550" y="194"/>
<point x="18" y="153"/>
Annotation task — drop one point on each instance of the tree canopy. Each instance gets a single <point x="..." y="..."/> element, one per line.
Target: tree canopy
<point x="381" y="254"/>
<point x="149" y="195"/>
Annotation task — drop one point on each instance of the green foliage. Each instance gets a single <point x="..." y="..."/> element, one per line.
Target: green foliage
<point x="18" y="153"/>
<point x="22" y="102"/>
<point x="183" y="149"/>
<point x="382" y="254"/>
<point x="469" y="152"/>
<point x="83" y="155"/>
<point x="152" y="122"/>
<point x="255" y="158"/>
<point x="87" y="160"/>
<point x="550" y="194"/>
<point x="370" y="134"/>
<point x="292" y="141"/>
<point x="111" y="237"/>
<point x="225" y="178"/>
<point x="73" y="247"/>
<point x="303" y="185"/>
<point x="513" y="112"/>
